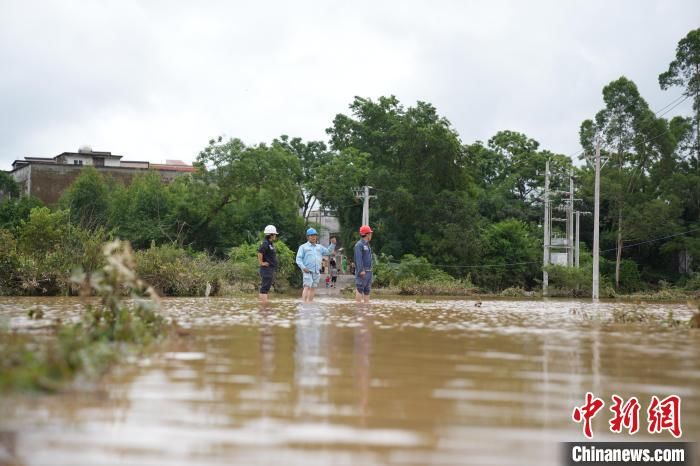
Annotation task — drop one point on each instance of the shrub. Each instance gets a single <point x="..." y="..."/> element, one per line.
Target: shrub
<point x="173" y="271"/>
<point x="630" y="280"/>
<point x="413" y="286"/>
<point x="14" y="211"/>
<point x="106" y="332"/>
<point x="570" y="281"/>
<point x="409" y="270"/>
<point x="577" y="282"/>
<point x="242" y="265"/>
<point x="693" y="283"/>
<point x="514" y="292"/>
<point x="631" y="315"/>
<point x="512" y="256"/>
<point x="9" y="263"/>
<point x="46" y="252"/>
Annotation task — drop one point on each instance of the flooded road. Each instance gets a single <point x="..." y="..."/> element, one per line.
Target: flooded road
<point x="400" y="382"/>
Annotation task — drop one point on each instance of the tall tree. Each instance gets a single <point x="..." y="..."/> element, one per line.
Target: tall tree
<point x="684" y="71"/>
<point x="141" y="212"/>
<point x="510" y="172"/>
<point x="635" y="139"/>
<point x="87" y="200"/>
<point x="238" y="173"/>
<point x="415" y="162"/>
<point x="312" y="155"/>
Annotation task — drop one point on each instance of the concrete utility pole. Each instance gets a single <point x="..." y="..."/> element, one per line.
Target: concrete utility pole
<point x="596" y="224"/>
<point x="363" y="194"/>
<point x="570" y="222"/>
<point x="545" y="259"/>
<point x="578" y="236"/>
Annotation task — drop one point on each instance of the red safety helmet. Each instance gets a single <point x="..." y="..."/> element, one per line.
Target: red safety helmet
<point x="365" y="229"/>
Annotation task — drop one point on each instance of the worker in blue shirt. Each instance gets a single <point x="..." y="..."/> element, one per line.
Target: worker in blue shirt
<point x="363" y="265"/>
<point x="309" y="257"/>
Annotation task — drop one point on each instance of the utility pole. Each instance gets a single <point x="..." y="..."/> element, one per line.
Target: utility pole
<point x="596" y="224"/>
<point x="363" y="193"/>
<point x="578" y="236"/>
<point x="570" y="222"/>
<point x="547" y="236"/>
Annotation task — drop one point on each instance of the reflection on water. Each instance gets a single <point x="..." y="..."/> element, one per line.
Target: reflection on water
<point x="399" y="382"/>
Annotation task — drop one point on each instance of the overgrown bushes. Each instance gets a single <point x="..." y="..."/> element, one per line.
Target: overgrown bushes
<point x="242" y="265"/>
<point x="40" y="257"/>
<point x="173" y="271"/>
<point x="104" y="333"/>
<point x="415" y="275"/>
<point x="40" y="254"/>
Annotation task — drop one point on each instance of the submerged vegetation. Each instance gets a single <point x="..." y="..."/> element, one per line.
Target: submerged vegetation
<point x="124" y="320"/>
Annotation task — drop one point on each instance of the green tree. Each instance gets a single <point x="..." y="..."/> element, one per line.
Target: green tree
<point x="244" y="179"/>
<point x="312" y="156"/>
<point x="141" y="211"/>
<point x="510" y="173"/>
<point x="8" y="186"/>
<point x="87" y="200"/>
<point x="14" y="210"/>
<point x="43" y="232"/>
<point x="415" y="161"/>
<point x="636" y="140"/>
<point x="333" y="184"/>
<point x="684" y="72"/>
<point x="511" y="256"/>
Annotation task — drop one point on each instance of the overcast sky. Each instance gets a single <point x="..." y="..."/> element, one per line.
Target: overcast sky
<point x="154" y="80"/>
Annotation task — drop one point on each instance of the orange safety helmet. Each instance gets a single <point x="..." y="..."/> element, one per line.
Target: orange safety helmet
<point x="365" y="229"/>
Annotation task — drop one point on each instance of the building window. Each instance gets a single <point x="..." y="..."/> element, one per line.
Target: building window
<point x="99" y="161"/>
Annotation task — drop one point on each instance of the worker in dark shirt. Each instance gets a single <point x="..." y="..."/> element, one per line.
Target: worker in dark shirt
<point x="363" y="265"/>
<point x="267" y="258"/>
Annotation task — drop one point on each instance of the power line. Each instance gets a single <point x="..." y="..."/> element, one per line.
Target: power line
<point x="653" y="240"/>
<point x="423" y="264"/>
<point x="394" y="261"/>
<point x="672" y="102"/>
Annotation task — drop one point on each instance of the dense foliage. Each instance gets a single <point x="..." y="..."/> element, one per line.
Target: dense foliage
<point x="454" y="209"/>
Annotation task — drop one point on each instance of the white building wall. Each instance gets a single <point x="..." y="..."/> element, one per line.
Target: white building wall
<point x="328" y="224"/>
<point x="70" y="159"/>
<point x="23" y="177"/>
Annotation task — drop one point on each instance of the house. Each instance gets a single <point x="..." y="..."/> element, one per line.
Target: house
<point x="47" y="177"/>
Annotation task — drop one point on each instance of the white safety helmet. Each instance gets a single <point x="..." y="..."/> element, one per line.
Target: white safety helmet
<point x="271" y="230"/>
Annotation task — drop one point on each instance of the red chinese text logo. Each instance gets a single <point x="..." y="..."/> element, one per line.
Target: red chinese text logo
<point x="587" y="412"/>
<point x="661" y="415"/>
<point x="665" y="415"/>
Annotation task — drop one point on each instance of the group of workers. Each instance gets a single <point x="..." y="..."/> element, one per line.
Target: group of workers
<point x="309" y="259"/>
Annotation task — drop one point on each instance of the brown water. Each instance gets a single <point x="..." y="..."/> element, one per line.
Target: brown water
<point x="400" y="382"/>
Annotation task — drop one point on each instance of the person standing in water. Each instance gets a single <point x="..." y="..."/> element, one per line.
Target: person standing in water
<point x="267" y="258"/>
<point x="363" y="265"/>
<point x="309" y="257"/>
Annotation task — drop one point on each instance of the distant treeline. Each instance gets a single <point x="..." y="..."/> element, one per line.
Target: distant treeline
<point x="469" y="210"/>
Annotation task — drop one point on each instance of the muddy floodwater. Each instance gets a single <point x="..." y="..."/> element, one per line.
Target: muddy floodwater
<point x="442" y="382"/>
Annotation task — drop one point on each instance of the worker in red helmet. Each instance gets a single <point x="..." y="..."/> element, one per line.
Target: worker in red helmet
<point x="363" y="265"/>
